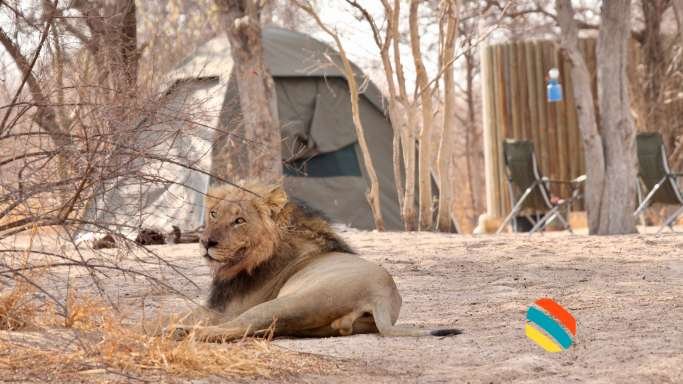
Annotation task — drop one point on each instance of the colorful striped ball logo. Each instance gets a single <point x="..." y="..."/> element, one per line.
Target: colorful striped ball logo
<point x="550" y="326"/>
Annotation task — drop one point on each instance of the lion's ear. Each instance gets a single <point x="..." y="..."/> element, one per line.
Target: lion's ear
<point x="276" y="198"/>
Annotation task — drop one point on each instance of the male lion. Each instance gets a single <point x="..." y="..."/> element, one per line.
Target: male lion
<point x="278" y="265"/>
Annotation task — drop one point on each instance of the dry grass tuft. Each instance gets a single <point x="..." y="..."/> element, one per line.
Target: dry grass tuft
<point x="84" y="313"/>
<point x="127" y="349"/>
<point x="94" y="340"/>
<point x="18" y="309"/>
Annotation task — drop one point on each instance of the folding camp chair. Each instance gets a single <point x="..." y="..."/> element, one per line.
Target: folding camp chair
<point x="655" y="175"/>
<point x="525" y="175"/>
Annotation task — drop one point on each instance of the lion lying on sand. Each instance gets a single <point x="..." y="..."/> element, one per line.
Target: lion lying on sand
<point x="278" y="265"/>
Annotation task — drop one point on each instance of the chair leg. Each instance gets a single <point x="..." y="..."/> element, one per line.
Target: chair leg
<point x="550" y="216"/>
<point x="512" y="204"/>
<point x="514" y="224"/>
<point x="541" y="224"/>
<point x="649" y="196"/>
<point x="669" y="221"/>
<point x="639" y="192"/>
<point x="516" y="208"/>
<point x="509" y="217"/>
<point x="564" y="221"/>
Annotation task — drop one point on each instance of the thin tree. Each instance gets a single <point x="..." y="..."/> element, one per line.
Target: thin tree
<point x="408" y="132"/>
<point x="444" y="158"/>
<point x="585" y="110"/>
<point x="242" y="20"/>
<point x="616" y="123"/>
<point x="372" y="195"/>
<point x="423" y="90"/>
<point x="402" y="111"/>
<point x="472" y="151"/>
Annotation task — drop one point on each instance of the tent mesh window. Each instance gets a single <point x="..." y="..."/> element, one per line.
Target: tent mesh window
<point x="343" y="162"/>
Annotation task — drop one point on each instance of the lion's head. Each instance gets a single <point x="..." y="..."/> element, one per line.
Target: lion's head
<point x="241" y="227"/>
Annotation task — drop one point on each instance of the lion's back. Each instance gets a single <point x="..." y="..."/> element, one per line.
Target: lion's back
<point x="335" y="272"/>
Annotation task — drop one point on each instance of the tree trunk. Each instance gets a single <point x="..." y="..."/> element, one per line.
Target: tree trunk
<point x="585" y="110"/>
<point x="424" y="160"/>
<point x="128" y="43"/>
<point x="396" y="112"/>
<point x="472" y="148"/>
<point x="678" y="11"/>
<point x="401" y="112"/>
<point x="616" y="122"/>
<point x="408" y="212"/>
<point x="113" y="44"/>
<point x="397" y="123"/>
<point x="372" y="195"/>
<point x="256" y="88"/>
<point x="654" y="59"/>
<point x="45" y="115"/>
<point x="444" y="156"/>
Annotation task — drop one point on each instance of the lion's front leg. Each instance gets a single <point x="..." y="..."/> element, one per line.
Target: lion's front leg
<point x="179" y="325"/>
<point x="284" y="316"/>
<point x="216" y="333"/>
<point x="258" y="321"/>
<point x="220" y="334"/>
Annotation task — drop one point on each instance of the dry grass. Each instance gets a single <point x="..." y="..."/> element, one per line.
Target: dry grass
<point x="17" y="308"/>
<point x="101" y="344"/>
<point x="129" y="350"/>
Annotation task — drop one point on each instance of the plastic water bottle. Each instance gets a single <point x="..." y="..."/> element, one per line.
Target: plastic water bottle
<point x="554" y="86"/>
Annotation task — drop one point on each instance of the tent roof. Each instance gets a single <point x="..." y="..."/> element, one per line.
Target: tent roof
<point x="287" y="53"/>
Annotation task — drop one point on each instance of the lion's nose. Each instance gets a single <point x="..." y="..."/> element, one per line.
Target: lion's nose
<point x="209" y="243"/>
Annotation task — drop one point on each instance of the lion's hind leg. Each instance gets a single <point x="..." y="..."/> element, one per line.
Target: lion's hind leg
<point x="354" y="322"/>
<point x="351" y="324"/>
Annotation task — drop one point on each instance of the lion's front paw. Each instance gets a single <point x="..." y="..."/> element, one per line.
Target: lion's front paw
<point x="177" y="332"/>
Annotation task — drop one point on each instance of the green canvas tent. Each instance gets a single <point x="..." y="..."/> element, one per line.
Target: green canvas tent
<point x="323" y="163"/>
<point x="200" y="108"/>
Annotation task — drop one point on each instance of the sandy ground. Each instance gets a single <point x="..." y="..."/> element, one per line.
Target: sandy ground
<point x="626" y="293"/>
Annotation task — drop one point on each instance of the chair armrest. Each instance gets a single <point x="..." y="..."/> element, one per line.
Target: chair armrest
<point x="578" y="180"/>
<point x="573" y="184"/>
<point x="559" y="181"/>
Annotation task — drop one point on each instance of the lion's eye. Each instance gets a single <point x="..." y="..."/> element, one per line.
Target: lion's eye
<point x="213" y="214"/>
<point x="239" y="220"/>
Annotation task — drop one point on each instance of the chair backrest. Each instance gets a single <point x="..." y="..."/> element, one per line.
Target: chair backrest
<point x="653" y="167"/>
<point x="523" y="172"/>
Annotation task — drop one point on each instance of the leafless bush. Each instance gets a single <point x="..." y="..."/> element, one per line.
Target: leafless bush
<point x="93" y="130"/>
<point x="82" y="123"/>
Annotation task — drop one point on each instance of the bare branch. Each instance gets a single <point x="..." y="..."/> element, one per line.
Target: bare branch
<point x="373" y="194"/>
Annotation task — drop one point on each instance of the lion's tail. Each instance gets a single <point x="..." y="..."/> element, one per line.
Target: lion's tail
<point x="385" y="326"/>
